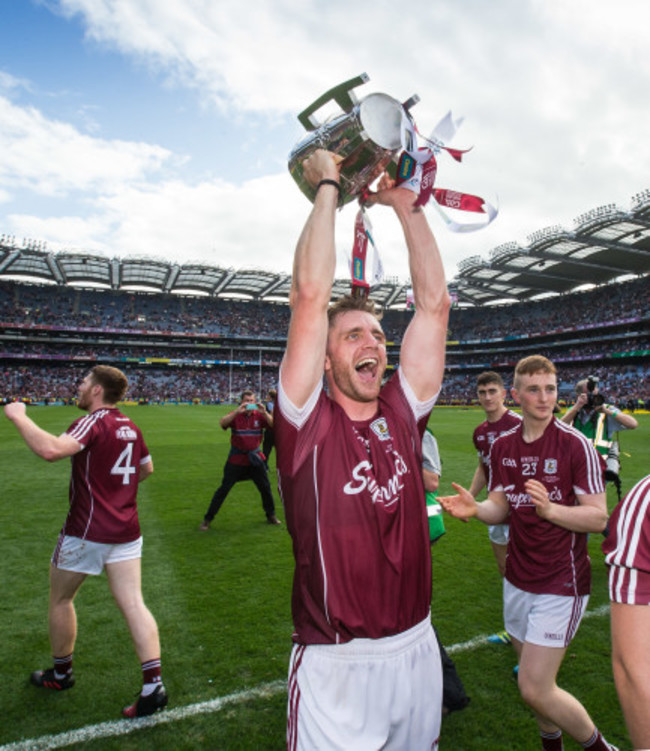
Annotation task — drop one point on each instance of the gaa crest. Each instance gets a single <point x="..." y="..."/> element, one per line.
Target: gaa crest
<point x="380" y="429"/>
<point x="550" y="466"/>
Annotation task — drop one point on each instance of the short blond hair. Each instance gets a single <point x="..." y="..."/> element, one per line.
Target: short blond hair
<point x="348" y="303"/>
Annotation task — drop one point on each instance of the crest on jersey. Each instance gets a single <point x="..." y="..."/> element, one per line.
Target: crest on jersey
<point x="380" y="429"/>
<point x="550" y="466"/>
<point x="125" y="433"/>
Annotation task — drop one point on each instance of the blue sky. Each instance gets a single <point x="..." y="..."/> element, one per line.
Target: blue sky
<point x="163" y="128"/>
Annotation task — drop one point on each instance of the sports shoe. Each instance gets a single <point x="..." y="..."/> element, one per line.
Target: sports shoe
<point x="47" y="679"/>
<point x="204" y="526"/>
<point x="146" y="705"/>
<point x="273" y="519"/>
<point x="501" y="637"/>
<point x="515" y="671"/>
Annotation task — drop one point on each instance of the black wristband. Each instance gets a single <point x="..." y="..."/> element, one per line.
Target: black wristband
<point x="329" y="182"/>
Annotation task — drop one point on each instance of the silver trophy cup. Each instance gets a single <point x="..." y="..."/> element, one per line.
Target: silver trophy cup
<point x="367" y="135"/>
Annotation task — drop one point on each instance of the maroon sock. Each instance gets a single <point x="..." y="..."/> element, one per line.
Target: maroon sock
<point x="552" y="741"/>
<point x="62" y="666"/>
<point x="151" y="675"/>
<point x="596" y="742"/>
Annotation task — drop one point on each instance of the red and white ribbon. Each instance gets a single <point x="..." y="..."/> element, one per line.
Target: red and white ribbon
<point x="363" y="236"/>
<point x="417" y="170"/>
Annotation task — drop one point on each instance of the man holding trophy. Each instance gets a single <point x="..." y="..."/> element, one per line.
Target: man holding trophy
<point x="365" y="667"/>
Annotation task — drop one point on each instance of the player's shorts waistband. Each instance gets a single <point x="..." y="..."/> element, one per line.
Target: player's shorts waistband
<point x="385" y="646"/>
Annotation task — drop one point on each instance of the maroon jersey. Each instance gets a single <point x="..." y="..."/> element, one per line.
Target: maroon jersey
<point x="544" y="558"/>
<point x="487" y="432"/>
<point x="628" y="542"/>
<point x="354" y="504"/>
<point x="104" y="480"/>
<point x="246" y="435"/>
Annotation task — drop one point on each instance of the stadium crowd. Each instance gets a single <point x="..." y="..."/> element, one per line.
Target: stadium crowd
<point x="627" y="386"/>
<point x="209" y="386"/>
<point x="218" y="347"/>
<point x="67" y="307"/>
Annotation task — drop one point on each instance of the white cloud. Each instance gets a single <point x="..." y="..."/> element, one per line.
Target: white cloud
<point x="553" y="93"/>
<point x="217" y="223"/>
<point x="9" y="83"/>
<point x="53" y="158"/>
<point x="63" y="232"/>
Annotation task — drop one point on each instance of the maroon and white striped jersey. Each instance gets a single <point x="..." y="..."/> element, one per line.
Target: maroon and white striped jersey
<point x="354" y="504"/>
<point x="543" y="557"/>
<point x="628" y="542"/>
<point x="486" y="434"/>
<point x="104" y="479"/>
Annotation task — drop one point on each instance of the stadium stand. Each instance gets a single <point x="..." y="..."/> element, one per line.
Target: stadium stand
<point x="177" y="348"/>
<point x="197" y="333"/>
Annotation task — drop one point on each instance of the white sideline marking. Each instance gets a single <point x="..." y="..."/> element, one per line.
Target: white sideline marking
<point x="478" y="641"/>
<point x="124" y="727"/>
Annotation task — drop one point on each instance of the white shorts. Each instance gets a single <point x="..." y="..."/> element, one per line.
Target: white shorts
<point x="86" y="557"/>
<point x="546" y="620"/>
<point x="499" y="534"/>
<point x="366" y="694"/>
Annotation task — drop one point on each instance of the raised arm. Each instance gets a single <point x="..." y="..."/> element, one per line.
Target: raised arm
<point x="311" y="287"/>
<point x="624" y="420"/>
<point x="227" y="420"/>
<point x="569" y="416"/>
<point x="422" y="356"/>
<point x="47" y="446"/>
<point x="268" y="416"/>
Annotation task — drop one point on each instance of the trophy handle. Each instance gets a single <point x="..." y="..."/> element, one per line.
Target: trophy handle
<point x="391" y="169"/>
<point x="411" y="102"/>
<point x="341" y="94"/>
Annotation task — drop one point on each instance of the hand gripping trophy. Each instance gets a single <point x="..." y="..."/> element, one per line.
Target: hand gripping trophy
<point x="377" y="134"/>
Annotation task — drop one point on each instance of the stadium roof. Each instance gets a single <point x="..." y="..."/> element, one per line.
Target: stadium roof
<point x="604" y="244"/>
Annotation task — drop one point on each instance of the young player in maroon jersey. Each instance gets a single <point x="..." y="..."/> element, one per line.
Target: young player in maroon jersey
<point x="627" y="554"/>
<point x="109" y="459"/>
<point x="365" y="667"/>
<point x="546" y="478"/>
<point x="499" y="419"/>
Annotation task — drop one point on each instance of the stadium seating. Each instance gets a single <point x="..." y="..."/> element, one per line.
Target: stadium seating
<point x="181" y="348"/>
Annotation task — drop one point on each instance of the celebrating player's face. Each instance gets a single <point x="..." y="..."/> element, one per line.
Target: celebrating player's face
<point x="356" y="355"/>
<point x="83" y="393"/>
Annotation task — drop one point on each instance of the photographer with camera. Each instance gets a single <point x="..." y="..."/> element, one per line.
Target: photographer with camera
<point x="245" y="459"/>
<point x="600" y="423"/>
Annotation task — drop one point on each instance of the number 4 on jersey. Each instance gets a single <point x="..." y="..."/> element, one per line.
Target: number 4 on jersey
<point x="123" y="465"/>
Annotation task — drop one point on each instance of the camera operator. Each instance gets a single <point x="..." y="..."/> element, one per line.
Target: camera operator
<point x="599" y="422"/>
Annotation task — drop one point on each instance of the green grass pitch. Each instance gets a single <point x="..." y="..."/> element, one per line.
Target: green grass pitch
<point x="222" y="602"/>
